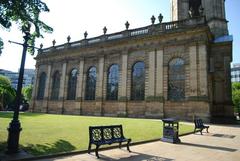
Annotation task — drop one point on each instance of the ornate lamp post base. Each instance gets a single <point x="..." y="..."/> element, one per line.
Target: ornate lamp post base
<point x="13" y="136"/>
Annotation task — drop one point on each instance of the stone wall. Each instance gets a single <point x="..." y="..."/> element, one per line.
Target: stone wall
<point x="191" y="45"/>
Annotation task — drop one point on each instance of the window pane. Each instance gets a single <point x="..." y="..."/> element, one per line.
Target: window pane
<point x="176" y="80"/>
<point x="55" y="86"/>
<point x="91" y="84"/>
<point x="72" y="85"/>
<point x="41" y="86"/>
<point x="138" y="81"/>
<point x="112" y="83"/>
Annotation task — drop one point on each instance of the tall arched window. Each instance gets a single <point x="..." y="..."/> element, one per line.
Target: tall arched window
<point x="112" y="82"/>
<point x="176" y="80"/>
<point x="41" y="86"/>
<point x="55" y="85"/>
<point x="138" y="81"/>
<point x="91" y="84"/>
<point x="72" y="85"/>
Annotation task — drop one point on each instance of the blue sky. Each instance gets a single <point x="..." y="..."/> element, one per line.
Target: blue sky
<point x="75" y="17"/>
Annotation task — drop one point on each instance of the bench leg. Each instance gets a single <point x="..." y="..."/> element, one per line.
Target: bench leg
<point x="96" y="151"/>
<point x="89" y="148"/>
<point x="120" y="145"/>
<point x="128" y="145"/>
<point x="201" y="131"/>
<point x="207" y="130"/>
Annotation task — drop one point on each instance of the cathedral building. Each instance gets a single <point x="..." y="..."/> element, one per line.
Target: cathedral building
<point x="175" y="69"/>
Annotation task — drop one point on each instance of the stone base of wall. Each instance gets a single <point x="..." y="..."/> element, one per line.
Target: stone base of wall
<point x="71" y="107"/>
<point x="184" y="110"/>
<point x="221" y="110"/>
<point x="54" y="107"/>
<point x="40" y="106"/>
<point x="154" y="110"/>
<point x="91" y="108"/>
<point x="187" y="110"/>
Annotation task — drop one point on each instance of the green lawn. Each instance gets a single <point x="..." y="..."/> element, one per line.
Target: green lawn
<point x="47" y="134"/>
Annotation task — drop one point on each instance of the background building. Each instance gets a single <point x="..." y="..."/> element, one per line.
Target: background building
<point x="176" y="69"/>
<point x="28" y="77"/>
<point x="235" y="73"/>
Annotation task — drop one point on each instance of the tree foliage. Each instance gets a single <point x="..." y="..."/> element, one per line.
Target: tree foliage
<point x="7" y="93"/>
<point x="236" y="95"/>
<point x="23" y="13"/>
<point x="4" y="81"/>
<point x="27" y="92"/>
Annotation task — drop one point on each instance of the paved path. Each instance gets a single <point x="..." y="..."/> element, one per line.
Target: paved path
<point x="221" y="144"/>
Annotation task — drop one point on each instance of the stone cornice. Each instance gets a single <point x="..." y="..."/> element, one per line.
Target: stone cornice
<point x="154" y="41"/>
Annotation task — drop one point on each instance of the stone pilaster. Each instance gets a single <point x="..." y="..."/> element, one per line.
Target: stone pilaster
<point x="228" y="108"/>
<point x="62" y="85"/>
<point x="227" y="76"/>
<point x="48" y="80"/>
<point x="99" y="86"/>
<point x="123" y="78"/>
<point x="34" y="90"/>
<point x="80" y="85"/>
<point x="159" y="74"/>
<point x="80" y="80"/>
<point x="150" y="91"/>
<point x="122" y="95"/>
<point x="62" y="81"/>
<point x="193" y="69"/>
<point x="47" y="87"/>
<point x="203" y="70"/>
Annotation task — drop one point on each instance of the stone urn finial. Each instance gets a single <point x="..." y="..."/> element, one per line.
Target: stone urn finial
<point x="127" y="25"/>
<point x="160" y="18"/>
<point x="153" y="19"/>
<point x="68" y="39"/>
<point x="54" y="42"/>
<point x="104" y="30"/>
<point x="85" y="35"/>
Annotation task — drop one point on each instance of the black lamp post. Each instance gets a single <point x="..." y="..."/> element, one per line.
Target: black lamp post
<point x="15" y="125"/>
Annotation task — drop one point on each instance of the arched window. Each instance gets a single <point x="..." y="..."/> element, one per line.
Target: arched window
<point x="138" y="81"/>
<point x="72" y="85"/>
<point x="41" y="86"/>
<point x="176" y="80"/>
<point x="112" y="82"/>
<point x="55" y="85"/>
<point x="91" y="84"/>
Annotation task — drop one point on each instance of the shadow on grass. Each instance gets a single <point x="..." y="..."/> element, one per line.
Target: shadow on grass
<point x="9" y="114"/>
<point x="57" y="147"/>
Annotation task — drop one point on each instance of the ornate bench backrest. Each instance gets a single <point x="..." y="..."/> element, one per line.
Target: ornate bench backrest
<point x="198" y="123"/>
<point x="103" y="133"/>
<point x="95" y="134"/>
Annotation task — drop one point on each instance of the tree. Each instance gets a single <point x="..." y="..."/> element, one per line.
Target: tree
<point x="24" y="13"/>
<point x="7" y="93"/>
<point x="236" y="96"/>
<point x="27" y="92"/>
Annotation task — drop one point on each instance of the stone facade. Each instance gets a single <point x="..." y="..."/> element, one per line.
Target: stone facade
<point x="206" y="65"/>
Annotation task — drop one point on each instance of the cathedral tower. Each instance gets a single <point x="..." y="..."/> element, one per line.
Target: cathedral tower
<point x="214" y="10"/>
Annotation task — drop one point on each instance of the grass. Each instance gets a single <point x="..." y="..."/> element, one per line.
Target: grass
<point x="44" y="134"/>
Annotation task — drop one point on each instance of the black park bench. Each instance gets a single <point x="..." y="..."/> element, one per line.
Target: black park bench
<point x="199" y="125"/>
<point x="102" y="135"/>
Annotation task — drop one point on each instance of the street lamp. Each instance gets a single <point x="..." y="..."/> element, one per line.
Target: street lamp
<point x="15" y="125"/>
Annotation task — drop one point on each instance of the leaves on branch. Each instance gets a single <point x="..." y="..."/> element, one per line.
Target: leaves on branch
<point x="24" y="12"/>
